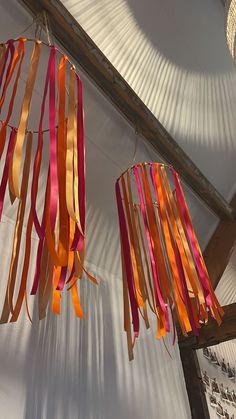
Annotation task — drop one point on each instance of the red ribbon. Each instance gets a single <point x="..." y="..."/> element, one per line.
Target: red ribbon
<point x="127" y="260"/>
<point x="40" y="229"/>
<point x="11" y="49"/>
<point x="160" y="301"/>
<point x="6" y="169"/>
<point x="40" y="245"/>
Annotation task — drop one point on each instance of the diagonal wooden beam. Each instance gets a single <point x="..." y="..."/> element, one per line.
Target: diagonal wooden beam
<point x="211" y="334"/>
<point x="216" y="255"/>
<point x="220" y="247"/>
<point x="78" y="44"/>
<point x="192" y="374"/>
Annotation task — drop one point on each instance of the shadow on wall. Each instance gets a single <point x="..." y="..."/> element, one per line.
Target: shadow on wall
<point x="70" y="368"/>
<point x="176" y="59"/>
<point x="192" y="37"/>
<point x="62" y="367"/>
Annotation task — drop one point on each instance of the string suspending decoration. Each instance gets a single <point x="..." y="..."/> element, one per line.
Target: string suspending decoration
<point x="42" y="144"/>
<point x="162" y="264"/>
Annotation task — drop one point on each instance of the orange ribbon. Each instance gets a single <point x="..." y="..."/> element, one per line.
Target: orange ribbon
<point x="8" y="304"/>
<point x="61" y="231"/>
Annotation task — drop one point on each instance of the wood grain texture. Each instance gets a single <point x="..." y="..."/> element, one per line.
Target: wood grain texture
<point x="220" y="248"/>
<point x="192" y="374"/>
<point x="212" y="334"/>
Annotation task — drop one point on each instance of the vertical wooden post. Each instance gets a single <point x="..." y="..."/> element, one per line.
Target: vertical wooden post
<point x="192" y="374"/>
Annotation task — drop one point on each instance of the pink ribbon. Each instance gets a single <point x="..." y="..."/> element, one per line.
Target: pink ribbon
<point x="53" y="143"/>
<point x="40" y="245"/>
<point x="40" y="229"/>
<point x="11" y="48"/>
<point x="62" y="278"/>
<point x="5" y="62"/>
<point x="6" y="169"/>
<point x="127" y="260"/>
<point x="160" y="301"/>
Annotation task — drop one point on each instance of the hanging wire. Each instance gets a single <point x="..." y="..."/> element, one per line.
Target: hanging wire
<point x="38" y="29"/>
<point x="135" y="145"/>
<point x="41" y="21"/>
<point x="47" y="27"/>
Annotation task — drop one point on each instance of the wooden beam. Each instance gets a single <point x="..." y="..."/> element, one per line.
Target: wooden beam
<point x="212" y="334"/>
<point x="78" y="44"/>
<point x="192" y="374"/>
<point x="220" y="247"/>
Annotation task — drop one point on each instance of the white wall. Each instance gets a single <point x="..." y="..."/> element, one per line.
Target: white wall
<point x="65" y="368"/>
<point x="174" y="55"/>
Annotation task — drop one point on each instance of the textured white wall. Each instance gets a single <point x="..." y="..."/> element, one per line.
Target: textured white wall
<point x="65" y="368"/>
<point x="174" y="56"/>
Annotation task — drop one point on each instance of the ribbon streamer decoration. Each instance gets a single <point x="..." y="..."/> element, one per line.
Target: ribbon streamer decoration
<point x="162" y="264"/>
<point x="60" y="227"/>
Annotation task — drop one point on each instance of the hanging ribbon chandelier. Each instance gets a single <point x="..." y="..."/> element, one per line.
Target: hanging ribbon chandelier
<point x="47" y="159"/>
<point x="163" y="268"/>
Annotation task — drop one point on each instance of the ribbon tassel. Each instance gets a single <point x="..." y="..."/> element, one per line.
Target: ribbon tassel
<point x="60" y="225"/>
<point x="162" y="264"/>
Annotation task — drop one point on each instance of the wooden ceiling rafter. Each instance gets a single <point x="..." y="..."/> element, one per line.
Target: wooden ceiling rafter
<point x="210" y="334"/>
<point x="220" y="247"/>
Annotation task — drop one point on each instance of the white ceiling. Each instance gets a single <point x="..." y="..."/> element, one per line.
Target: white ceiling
<point x="82" y="371"/>
<point x="174" y="55"/>
<point x="110" y="144"/>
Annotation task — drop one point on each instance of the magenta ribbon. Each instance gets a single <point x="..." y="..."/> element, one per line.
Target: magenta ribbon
<point x="40" y="245"/>
<point x="5" y="61"/>
<point x="11" y="48"/>
<point x="160" y="301"/>
<point x="6" y="168"/>
<point x="15" y="86"/>
<point x="40" y="229"/>
<point x="127" y="260"/>
<point x="62" y="279"/>
<point x="78" y="242"/>
<point x="53" y="143"/>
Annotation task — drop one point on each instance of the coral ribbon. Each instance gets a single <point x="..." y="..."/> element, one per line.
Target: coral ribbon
<point x="6" y="169"/>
